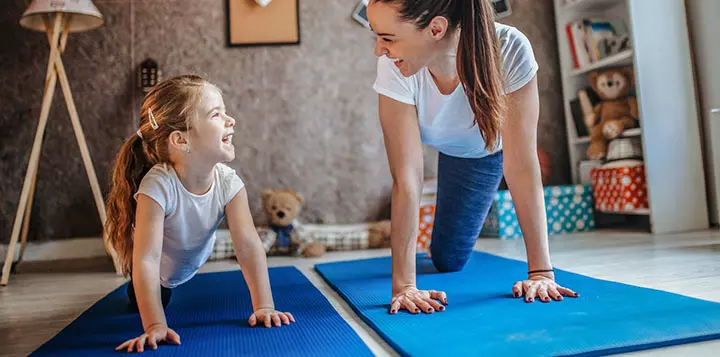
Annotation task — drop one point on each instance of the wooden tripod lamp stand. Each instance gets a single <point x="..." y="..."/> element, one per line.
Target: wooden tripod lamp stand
<point x="56" y="18"/>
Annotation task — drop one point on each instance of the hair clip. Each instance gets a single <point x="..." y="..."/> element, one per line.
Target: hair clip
<point x="153" y="122"/>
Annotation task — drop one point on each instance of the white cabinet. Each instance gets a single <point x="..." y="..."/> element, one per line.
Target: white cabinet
<point x="665" y="90"/>
<point x="703" y="19"/>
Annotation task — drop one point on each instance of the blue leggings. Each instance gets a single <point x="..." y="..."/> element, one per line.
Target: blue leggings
<point x="466" y="188"/>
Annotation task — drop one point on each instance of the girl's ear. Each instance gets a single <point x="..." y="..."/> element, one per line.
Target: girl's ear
<point x="178" y="140"/>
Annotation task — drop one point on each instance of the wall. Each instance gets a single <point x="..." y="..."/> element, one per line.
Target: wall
<point x="307" y="115"/>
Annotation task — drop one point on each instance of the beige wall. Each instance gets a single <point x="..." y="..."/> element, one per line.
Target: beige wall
<point x="307" y="115"/>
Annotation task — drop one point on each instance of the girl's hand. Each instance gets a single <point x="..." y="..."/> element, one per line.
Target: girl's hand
<point x="414" y="300"/>
<point x="156" y="333"/>
<point x="270" y="316"/>
<point x="542" y="287"/>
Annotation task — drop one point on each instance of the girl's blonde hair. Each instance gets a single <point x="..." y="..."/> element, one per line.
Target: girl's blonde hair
<point x="168" y="106"/>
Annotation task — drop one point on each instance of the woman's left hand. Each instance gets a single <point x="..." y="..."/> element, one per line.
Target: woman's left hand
<point x="541" y="287"/>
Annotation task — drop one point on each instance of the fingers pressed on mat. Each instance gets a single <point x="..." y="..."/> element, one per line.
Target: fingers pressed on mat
<point x="410" y="306"/>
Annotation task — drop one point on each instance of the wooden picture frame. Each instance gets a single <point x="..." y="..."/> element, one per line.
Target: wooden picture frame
<point x="249" y="24"/>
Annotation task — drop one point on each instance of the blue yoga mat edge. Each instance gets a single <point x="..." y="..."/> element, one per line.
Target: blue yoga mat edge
<point x="357" y="312"/>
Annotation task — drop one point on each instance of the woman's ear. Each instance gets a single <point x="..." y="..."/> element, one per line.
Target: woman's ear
<point x="438" y="27"/>
<point x="178" y="140"/>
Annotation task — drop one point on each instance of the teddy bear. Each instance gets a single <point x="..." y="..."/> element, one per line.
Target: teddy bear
<point x="285" y="234"/>
<point x="281" y="208"/>
<point x="616" y="112"/>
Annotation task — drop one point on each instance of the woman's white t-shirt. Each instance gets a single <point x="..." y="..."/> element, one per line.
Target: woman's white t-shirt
<point x="447" y="121"/>
<point x="190" y="220"/>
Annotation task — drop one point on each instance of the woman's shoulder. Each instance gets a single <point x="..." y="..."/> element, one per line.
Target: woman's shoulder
<point x="511" y="38"/>
<point x="518" y="60"/>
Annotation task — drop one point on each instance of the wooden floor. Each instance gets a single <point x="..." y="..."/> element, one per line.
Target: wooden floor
<point x="37" y="305"/>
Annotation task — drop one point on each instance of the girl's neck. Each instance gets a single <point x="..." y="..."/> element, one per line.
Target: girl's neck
<point x="196" y="178"/>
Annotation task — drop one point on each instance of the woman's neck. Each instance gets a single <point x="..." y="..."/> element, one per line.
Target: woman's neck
<point x="443" y="67"/>
<point x="196" y="178"/>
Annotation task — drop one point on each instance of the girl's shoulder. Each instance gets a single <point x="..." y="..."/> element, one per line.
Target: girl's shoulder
<point x="229" y="182"/>
<point x="224" y="171"/>
<point x="161" y="172"/>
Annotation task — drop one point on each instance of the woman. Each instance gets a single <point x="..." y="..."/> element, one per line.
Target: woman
<point x="449" y="76"/>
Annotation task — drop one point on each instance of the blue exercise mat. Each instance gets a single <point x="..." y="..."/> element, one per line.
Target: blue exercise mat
<point x="482" y="318"/>
<point x="210" y="314"/>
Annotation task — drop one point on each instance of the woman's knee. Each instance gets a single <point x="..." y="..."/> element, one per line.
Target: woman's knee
<point x="447" y="263"/>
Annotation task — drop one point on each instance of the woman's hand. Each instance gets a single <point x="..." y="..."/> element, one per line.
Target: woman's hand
<point x="270" y="317"/>
<point x="542" y="287"/>
<point x="156" y="333"/>
<point x="414" y="300"/>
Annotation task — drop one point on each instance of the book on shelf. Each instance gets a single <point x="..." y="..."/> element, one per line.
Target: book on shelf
<point x="592" y="39"/>
<point x="582" y="108"/>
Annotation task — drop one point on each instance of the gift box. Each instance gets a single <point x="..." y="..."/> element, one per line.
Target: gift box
<point x="568" y="209"/>
<point x="620" y="187"/>
<point x="427" y="214"/>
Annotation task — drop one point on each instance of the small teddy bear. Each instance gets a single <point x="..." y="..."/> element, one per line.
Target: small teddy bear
<point x="616" y="112"/>
<point x="282" y="207"/>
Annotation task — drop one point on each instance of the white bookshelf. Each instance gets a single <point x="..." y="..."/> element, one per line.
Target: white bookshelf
<point x="665" y="90"/>
<point x="622" y="58"/>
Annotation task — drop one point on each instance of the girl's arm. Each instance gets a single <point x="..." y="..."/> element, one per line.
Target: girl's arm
<point x="253" y="262"/>
<point x="147" y="248"/>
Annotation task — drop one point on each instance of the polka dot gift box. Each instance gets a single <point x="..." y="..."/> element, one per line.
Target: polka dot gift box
<point x="427" y="214"/>
<point x="620" y="187"/>
<point x="568" y="209"/>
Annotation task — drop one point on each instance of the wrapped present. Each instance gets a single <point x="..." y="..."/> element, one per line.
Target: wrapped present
<point x="427" y="215"/>
<point x="620" y="187"/>
<point x="568" y="209"/>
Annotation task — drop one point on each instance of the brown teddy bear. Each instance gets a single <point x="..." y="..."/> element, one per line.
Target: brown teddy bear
<point x="286" y="235"/>
<point x="281" y="209"/>
<point x="616" y="112"/>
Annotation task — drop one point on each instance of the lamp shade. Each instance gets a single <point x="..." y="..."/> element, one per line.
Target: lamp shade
<point x="85" y="16"/>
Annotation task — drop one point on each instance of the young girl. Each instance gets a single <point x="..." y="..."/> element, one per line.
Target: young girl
<point x="169" y="193"/>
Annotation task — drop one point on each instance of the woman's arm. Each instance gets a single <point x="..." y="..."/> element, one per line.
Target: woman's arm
<point x="253" y="262"/>
<point x="404" y="151"/>
<point x="522" y="172"/>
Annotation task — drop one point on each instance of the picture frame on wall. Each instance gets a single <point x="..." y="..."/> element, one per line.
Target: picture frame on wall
<point x="502" y="8"/>
<point x="251" y="24"/>
<point x="360" y="13"/>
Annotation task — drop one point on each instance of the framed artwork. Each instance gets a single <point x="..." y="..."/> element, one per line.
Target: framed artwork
<point x="360" y="13"/>
<point x="251" y="24"/>
<point x="502" y="8"/>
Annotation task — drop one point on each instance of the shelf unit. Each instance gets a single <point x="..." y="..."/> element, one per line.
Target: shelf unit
<point x="625" y="134"/>
<point x="622" y="58"/>
<point x="665" y="91"/>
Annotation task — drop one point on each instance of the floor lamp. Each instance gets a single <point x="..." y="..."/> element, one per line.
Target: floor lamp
<point x="57" y="19"/>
